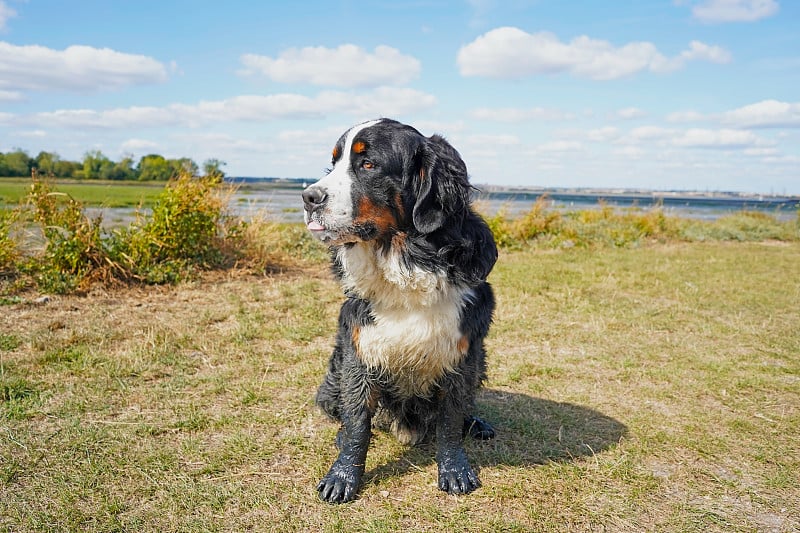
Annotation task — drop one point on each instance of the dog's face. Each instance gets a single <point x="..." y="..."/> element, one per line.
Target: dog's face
<point x="383" y="180"/>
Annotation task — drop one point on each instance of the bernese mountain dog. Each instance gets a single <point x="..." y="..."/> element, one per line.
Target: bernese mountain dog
<point x="412" y="257"/>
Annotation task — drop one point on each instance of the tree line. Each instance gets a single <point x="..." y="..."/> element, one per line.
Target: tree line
<point x="96" y="166"/>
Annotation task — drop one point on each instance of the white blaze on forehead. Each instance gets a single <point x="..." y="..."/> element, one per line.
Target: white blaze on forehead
<point x="351" y="134"/>
<point x="337" y="184"/>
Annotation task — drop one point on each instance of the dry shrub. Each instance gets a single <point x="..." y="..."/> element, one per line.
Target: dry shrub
<point x="74" y="252"/>
<point x="267" y="246"/>
<point x="8" y="245"/>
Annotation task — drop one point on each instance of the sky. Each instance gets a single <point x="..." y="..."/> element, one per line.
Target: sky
<point x="662" y="95"/>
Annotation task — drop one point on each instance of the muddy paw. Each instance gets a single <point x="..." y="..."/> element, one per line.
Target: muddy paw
<point x="340" y="484"/>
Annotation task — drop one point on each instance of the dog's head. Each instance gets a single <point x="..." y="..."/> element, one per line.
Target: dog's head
<point x="386" y="178"/>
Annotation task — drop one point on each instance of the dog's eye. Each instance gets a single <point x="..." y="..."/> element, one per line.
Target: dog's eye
<point x="367" y="165"/>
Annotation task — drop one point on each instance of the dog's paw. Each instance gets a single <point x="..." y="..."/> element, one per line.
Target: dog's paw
<point x="478" y="428"/>
<point x="340" y="484"/>
<point x="457" y="477"/>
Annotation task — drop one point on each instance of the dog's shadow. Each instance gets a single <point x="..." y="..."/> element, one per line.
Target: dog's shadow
<point x="529" y="431"/>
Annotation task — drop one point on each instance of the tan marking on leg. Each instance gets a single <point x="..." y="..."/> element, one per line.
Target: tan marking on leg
<point x="463" y="345"/>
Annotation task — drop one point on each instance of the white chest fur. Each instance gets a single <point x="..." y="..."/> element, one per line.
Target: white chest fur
<point x="415" y="336"/>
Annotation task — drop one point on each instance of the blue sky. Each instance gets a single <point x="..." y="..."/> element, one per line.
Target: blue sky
<point x="673" y="94"/>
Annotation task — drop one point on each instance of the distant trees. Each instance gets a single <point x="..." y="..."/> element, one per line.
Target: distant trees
<point x="16" y="163"/>
<point x="213" y="167"/>
<point x="97" y="166"/>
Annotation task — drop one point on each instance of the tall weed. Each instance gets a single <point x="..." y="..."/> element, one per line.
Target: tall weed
<point x="266" y="246"/>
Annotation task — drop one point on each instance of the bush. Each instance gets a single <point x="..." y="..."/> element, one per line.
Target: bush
<point x="8" y="246"/>
<point x="74" y="250"/>
<point x="188" y="230"/>
<point x="586" y="228"/>
<point x="184" y="232"/>
<point x="537" y="223"/>
<point x="500" y="227"/>
<point x="743" y="226"/>
<point x="609" y="227"/>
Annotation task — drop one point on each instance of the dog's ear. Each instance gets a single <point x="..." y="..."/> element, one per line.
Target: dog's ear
<point x="440" y="185"/>
<point x="428" y="212"/>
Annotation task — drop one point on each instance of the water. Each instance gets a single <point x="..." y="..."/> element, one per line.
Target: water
<point x="678" y="205"/>
<point x="283" y="204"/>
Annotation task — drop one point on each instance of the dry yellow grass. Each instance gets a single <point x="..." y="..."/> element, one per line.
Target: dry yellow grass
<point x="648" y="389"/>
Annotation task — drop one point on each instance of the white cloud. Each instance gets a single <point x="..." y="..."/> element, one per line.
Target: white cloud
<point x="761" y="152"/>
<point x="493" y="140"/>
<point x="383" y="101"/>
<point x="630" y="113"/>
<point x="605" y="134"/>
<point x="685" y="116"/>
<point x="5" y="14"/>
<point x="10" y="96"/>
<point x="650" y="133"/>
<point x="516" y="114"/>
<point x="346" y="66"/>
<point x="559" y="147"/>
<point x="225" y="144"/>
<point x="630" y="152"/>
<point x="699" y="51"/>
<point x="76" y="68"/>
<point x="138" y="146"/>
<point x="511" y="53"/>
<point x="32" y="133"/>
<point x="429" y="127"/>
<point x="764" y="114"/>
<point x="722" y="138"/>
<point x="734" y="10"/>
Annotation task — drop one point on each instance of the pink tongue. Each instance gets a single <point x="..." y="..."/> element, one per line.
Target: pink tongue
<point x="313" y="225"/>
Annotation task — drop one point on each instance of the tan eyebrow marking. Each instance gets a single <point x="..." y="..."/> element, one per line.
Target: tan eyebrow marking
<point x="359" y="147"/>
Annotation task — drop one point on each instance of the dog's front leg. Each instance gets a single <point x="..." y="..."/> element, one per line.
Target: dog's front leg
<point x="456" y="476"/>
<point x="341" y="482"/>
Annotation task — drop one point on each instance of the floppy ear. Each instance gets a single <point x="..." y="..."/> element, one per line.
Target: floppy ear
<point x="428" y="212"/>
<point x="441" y="185"/>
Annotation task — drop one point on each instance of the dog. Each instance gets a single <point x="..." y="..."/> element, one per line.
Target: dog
<point x="412" y="257"/>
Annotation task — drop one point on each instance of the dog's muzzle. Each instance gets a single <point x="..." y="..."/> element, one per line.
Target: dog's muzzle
<point x="314" y="200"/>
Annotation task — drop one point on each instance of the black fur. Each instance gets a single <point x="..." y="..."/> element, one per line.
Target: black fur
<point x="421" y="186"/>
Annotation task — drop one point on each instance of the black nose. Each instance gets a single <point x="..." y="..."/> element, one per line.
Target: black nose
<point x="314" y="197"/>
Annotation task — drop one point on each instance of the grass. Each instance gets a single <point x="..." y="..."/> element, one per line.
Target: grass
<point x="89" y="193"/>
<point x="649" y="388"/>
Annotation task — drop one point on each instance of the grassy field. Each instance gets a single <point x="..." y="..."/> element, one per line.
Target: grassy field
<point x="641" y="389"/>
<point x="94" y="194"/>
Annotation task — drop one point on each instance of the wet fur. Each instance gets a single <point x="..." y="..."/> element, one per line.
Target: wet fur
<point x="409" y="353"/>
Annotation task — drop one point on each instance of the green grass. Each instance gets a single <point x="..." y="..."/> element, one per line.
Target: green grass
<point x="89" y="193"/>
<point x="633" y="389"/>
